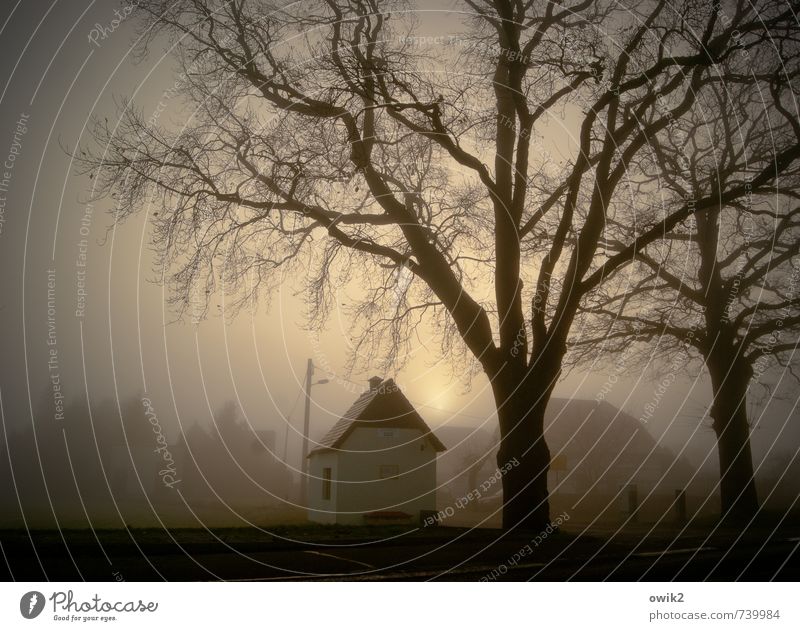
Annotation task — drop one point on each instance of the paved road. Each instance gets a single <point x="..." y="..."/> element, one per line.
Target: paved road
<point x="447" y="556"/>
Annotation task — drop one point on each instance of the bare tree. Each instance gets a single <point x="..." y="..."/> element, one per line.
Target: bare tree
<point x="725" y="285"/>
<point x="328" y="142"/>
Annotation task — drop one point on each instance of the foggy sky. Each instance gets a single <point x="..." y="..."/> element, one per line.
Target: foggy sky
<point x="126" y="341"/>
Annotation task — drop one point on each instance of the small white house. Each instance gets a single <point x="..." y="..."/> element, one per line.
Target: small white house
<point x="376" y="465"/>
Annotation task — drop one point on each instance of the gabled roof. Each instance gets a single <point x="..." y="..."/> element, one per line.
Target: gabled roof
<point x="383" y="405"/>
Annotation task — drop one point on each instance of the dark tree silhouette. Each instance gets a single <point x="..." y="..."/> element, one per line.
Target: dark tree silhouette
<point x="724" y="287"/>
<point x="324" y="140"/>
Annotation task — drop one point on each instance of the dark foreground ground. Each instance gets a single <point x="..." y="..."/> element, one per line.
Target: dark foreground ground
<point x="762" y="552"/>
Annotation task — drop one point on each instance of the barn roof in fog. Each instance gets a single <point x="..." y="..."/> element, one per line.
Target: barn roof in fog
<point x="383" y="405"/>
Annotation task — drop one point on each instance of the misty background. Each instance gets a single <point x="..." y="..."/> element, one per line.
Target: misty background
<point x="226" y="390"/>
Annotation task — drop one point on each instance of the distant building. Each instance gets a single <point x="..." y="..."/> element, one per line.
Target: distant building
<point x="377" y="464"/>
<point x="601" y="449"/>
<point x="598" y="453"/>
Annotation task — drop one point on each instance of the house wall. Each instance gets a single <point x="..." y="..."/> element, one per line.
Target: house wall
<point x="320" y="510"/>
<point x="358" y="489"/>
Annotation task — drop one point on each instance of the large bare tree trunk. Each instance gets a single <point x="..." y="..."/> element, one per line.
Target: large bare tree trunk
<point x="523" y="455"/>
<point x="737" y="486"/>
<point x="730" y="377"/>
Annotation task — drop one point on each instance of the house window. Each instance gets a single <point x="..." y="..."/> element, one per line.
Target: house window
<point x="326" y="483"/>
<point x="389" y="471"/>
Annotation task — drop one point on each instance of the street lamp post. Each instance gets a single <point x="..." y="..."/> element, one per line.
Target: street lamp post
<point x="306" y="429"/>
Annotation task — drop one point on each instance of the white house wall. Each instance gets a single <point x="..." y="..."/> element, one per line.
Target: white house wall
<point x="320" y="510"/>
<point x="360" y="489"/>
<point x="357" y="487"/>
